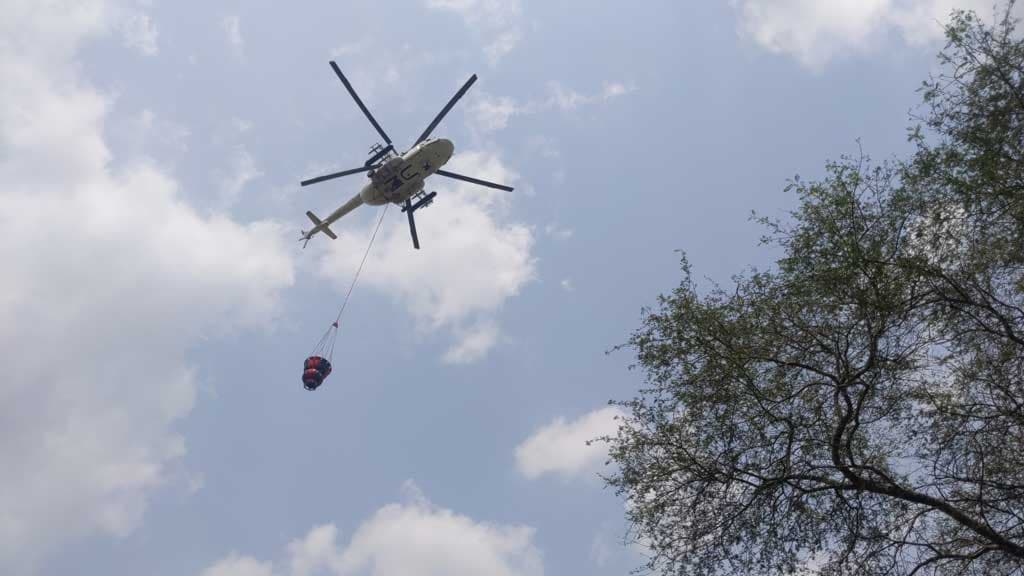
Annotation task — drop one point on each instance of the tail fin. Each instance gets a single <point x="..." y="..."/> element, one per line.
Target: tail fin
<point x="320" y="226"/>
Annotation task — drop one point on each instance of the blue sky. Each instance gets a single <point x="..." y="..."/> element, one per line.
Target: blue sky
<point x="155" y="307"/>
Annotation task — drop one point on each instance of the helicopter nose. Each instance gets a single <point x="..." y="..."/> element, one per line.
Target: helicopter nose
<point x="443" y="150"/>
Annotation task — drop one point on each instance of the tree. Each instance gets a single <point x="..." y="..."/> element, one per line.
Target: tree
<point x="859" y="407"/>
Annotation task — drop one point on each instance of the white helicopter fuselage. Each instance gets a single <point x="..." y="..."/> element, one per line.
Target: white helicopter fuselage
<point x="397" y="180"/>
<point x="401" y="177"/>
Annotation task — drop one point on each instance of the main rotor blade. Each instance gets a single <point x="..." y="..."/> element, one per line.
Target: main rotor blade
<point x="362" y="107"/>
<point x="335" y="175"/>
<point x="444" y="111"/>
<point x="474" y="180"/>
<point x="412" y="224"/>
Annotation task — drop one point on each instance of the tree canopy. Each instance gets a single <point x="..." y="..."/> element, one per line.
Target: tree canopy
<point x="859" y="407"/>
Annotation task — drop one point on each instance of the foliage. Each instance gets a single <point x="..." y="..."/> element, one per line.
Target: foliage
<point x="859" y="408"/>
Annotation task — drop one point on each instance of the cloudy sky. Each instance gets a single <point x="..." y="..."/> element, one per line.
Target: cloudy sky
<point x="155" y="307"/>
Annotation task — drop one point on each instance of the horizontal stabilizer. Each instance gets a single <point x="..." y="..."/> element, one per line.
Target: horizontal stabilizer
<point x="320" y="226"/>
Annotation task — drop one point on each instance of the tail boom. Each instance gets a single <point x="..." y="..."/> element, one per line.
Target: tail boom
<point x="324" y="225"/>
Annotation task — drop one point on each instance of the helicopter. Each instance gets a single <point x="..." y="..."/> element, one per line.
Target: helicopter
<point x="395" y="178"/>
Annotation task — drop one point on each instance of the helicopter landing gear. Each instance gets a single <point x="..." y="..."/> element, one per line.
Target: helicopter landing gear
<point x="420" y="200"/>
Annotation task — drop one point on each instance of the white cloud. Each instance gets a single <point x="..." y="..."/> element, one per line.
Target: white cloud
<point x="349" y="49"/>
<point x="600" y="551"/>
<point x="145" y="132"/>
<point x="491" y="113"/>
<point x="109" y="278"/>
<point x="233" y="31"/>
<point x="241" y="125"/>
<point x="473" y="343"/>
<point x="140" y="33"/>
<point x="235" y="565"/>
<point x="472" y="260"/>
<point x="415" y="537"/>
<point x="243" y="170"/>
<point x="558" y="232"/>
<point x="145" y="119"/>
<point x="317" y="551"/>
<point x="815" y="32"/>
<point x="196" y="482"/>
<point x="613" y="89"/>
<point x="422" y="539"/>
<point x="568" y="99"/>
<point x="921" y="21"/>
<point x="497" y="21"/>
<point x="392" y="75"/>
<point x="502" y="45"/>
<point x="567" y="285"/>
<point x="494" y="113"/>
<point x="544" y="145"/>
<point x="562" y="448"/>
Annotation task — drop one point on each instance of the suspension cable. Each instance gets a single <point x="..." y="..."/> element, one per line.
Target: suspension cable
<point x="348" y="295"/>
